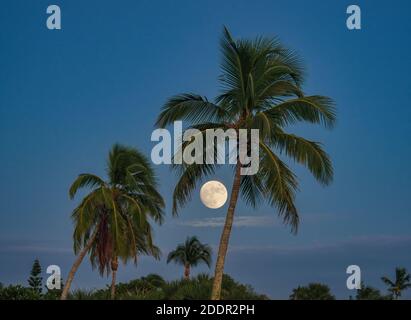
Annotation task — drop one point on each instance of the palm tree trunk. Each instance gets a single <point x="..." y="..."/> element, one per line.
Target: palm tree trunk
<point x="114" y="267"/>
<point x="187" y="272"/>
<point x="225" y="236"/>
<point x="76" y="265"/>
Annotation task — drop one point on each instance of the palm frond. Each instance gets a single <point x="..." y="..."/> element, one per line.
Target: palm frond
<point x="187" y="182"/>
<point x="188" y="107"/>
<point x="387" y="281"/>
<point x="312" y="109"/>
<point x="280" y="185"/>
<point x="191" y="252"/>
<point x="308" y="153"/>
<point x="85" y="180"/>
<point x="252" y="190"/>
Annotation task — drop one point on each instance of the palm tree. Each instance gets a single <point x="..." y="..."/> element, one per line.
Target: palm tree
<point x="111" y="222"/>
<point x="261" y="89"/>
<point x="402" y="282"/>
<point x="190" y="254"/>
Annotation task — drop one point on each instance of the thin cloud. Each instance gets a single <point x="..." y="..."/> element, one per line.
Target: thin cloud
<point x="5" y="248"/>
<point x="240" y="221"/>
<point x="357" y="241"/>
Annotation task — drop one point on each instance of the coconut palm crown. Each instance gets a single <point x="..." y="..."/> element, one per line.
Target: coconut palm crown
<point x="402" y="282"/>
<point x="190" y="254"/>
<point x="112" y="220"/>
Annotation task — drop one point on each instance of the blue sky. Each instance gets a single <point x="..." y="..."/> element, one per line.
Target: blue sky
<point x="66" y="96"/>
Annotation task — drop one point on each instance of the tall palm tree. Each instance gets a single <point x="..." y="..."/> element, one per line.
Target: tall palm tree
<point x="112" y="220"/>
<point x="261" y="89"/>
<point x="402" y="282"/>
<point x="190" y="254"/>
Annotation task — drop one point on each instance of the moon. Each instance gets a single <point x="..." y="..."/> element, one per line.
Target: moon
<point x="213" y="194"/>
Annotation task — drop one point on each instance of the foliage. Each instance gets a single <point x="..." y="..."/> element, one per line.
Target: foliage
<point x="82" y="295"/>
<point x="190" y="254"/>
<point x="118" y="209"/>
<point x="54" y="294"/>
<point x="35" y="280"/>
<point x="369" y="293"/>
<point x="314" y="291"/>
<point x="402" y="282"/>
<point x="154" y="287"/>
<point x="18" y="292"/>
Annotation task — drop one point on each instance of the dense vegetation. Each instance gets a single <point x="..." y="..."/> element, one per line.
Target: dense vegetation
<point x="154" y="287"/>
<point x="150" y="287"/>
<point x="314" y="291"/>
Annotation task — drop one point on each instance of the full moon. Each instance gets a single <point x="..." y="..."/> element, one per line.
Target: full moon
<point x="213" y="194"/>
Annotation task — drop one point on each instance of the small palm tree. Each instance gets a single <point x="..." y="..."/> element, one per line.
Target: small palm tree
<point x="111" y="222"/>
<point x="261" y="89"/>
<point x="190" y="254"/>
<point x="401" y="282"/>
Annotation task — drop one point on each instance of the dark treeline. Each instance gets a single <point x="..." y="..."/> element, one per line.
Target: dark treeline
<point x="154" y="287"/>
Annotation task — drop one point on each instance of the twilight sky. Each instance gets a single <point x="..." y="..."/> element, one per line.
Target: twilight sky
<point x="66" y="96"/>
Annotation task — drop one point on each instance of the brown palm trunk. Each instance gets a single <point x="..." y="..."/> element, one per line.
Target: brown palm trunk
<point x="225" y="236"/>
<point x="187" y="272"/>
<point x="76" y="265"/>
<point x="114" y="267"/>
